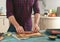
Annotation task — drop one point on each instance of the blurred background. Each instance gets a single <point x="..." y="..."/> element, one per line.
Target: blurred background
<point x="49" y="19"/>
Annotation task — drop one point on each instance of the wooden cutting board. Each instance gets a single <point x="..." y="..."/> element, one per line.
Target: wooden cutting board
<point x="28" y="34"/>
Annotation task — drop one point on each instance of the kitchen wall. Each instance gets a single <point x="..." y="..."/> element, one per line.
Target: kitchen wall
<point x="3" y="5"/>
<point x="41" y="6"/>
<point x="50" y="4"/>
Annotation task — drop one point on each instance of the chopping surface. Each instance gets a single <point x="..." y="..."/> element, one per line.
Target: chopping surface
<point x="27" y="35"/>
<point x="33" y="39"/>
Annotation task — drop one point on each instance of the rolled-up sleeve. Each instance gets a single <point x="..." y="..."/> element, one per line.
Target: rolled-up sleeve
<point x="36" y="7"/>
<point x="9" y="8"/>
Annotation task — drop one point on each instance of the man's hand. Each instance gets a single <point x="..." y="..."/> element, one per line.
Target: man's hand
<point x="20" y="29"/>
<point x="35" y="28"/>
<point x="36" y="22"/>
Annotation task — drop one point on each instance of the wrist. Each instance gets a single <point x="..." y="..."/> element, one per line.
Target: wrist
<point x="35" y="23"/>
<point x="17" y="26"/>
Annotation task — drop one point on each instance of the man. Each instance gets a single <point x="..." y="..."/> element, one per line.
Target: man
<point x="19" y="14"/>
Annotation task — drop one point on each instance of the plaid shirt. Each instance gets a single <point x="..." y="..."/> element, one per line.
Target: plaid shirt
<point x="22" y="10"/>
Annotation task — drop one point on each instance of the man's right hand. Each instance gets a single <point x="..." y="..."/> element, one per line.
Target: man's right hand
<point x="20" y="29"/>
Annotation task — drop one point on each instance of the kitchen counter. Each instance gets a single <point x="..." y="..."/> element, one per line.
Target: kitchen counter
<point x="49" y="22"/>
<point x="48" y="17"/>
<point x="36" y="39"/>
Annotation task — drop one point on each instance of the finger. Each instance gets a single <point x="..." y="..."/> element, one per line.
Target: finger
<point x="21" y="31"/>
<point x="36" y="30"/>
<point x="18" y="31"/>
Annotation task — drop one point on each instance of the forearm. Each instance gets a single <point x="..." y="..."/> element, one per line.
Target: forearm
<point x="13" y="21"/>
<point x="36" y="18"/>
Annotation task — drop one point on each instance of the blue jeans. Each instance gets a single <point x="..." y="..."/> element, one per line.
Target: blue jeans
<point x="11" y="28"/>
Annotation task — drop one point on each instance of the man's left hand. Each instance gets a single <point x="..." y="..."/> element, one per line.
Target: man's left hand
<point x="35" y="28"/>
